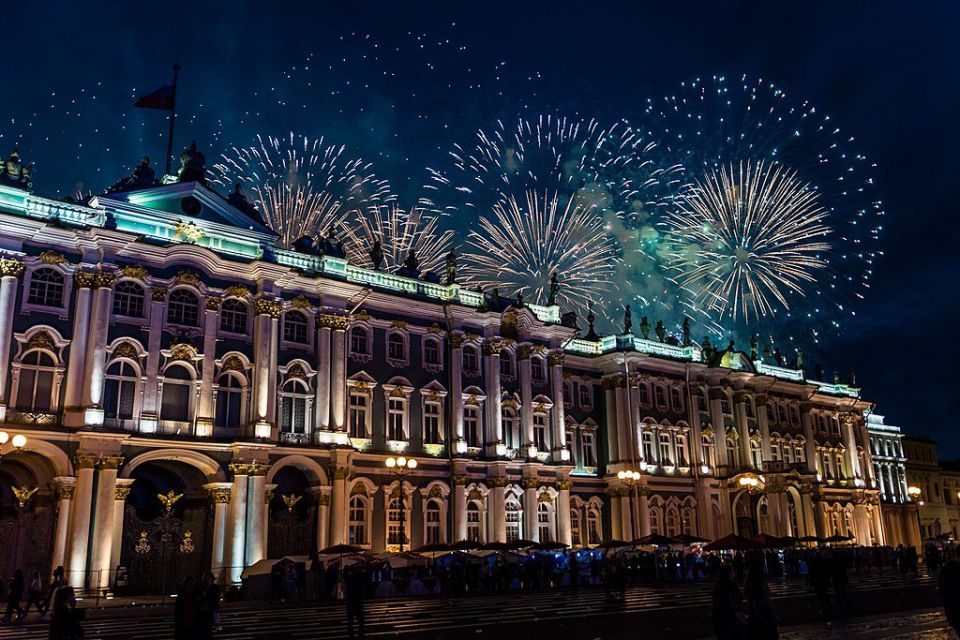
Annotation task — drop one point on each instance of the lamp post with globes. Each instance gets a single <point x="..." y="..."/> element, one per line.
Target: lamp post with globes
<point x="19" y="441"/>
<point x="915" y="492"/>
<point x="401" y="467"/>
<point x="630" y="478"/>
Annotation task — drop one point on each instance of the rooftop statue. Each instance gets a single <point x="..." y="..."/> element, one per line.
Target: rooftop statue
<point x="707" y="350"/>
<point x="661" y="331"/>
<point x="304" y="244"/>
<point x="411" y="266"/>
<point x="450" y="267"/>
<point x="799" y="360"/>
<point x="192" y="165"/>
<point x="818" y="371"/>
<point x="520" y="302"/>
<point x="686" y="332"/>
<point x="333" y="246"/>
<point x="753" y="346"/>
<point x="376" y="255"/>
<point x="627" y="320"/>
<point x="13" y="173"/>
<point x="554" y="289"/>
<point x="591" y="333"/>
<point x="779" y="357"/>
<point x="241" y="202"/>
<point x="645" y="328"/>
<point x="142" y="177"/>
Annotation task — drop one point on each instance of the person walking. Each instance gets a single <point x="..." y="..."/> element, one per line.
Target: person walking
<point x="56" y="582"/>
<point x="761" y="618"/>
<point x="727" y="602"/>
<point x="34" y="595"/>
<point x="14" y="596"/>
<point x="185" y="611"/>
<point x="65" y="622"/>
<point x="355" y="592"/>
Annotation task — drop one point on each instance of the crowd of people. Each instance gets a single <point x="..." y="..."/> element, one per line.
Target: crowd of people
<point x="53" y="599"/>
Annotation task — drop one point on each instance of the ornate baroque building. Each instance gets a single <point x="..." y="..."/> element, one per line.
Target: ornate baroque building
<point x="937" y="490"/>
<point x="193" y="396"/>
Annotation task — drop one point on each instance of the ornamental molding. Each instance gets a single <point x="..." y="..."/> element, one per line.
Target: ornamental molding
<point x="41" y="340"/>
<point x="83" y="279"/>
<point x="460" y="480"/>
<point x="342" y="473"/>
<point x="104" y="279"/>
<point x="499" y="481"/>
<point x="213" y="303"/>
<point x="121" y="493"/>
<point x="531" y="483"/>
<point x="264" y="306"/>
<point x="492" y="347"/>
<point x="329" y="321"/>
<point x="126" y="350"/>
<point x="524" y="351"/>
<point x="85" y="460"/>
<point x="399" y="324"/>
<point x="158" y="294"/>
<point x="564" y="485"/>
<point x="183" y="351"/>
<point x="11" y="267"/>
<point x="233" y="363"/>
<point x="556" y="358"/>
<point x="237" y="291"/>
<point x="135" y="271"/>
<point x="362" y="316"/>
<point x="109" y="462"/>
<point x="434" y="328"/>
<point x="456" y="341"/>
<point x="188" y="277"/>
<point x="301" y="302"/>
<point x="66" y="491"/>
<point x="220" y="495"/>
<point x="52" y="257"/>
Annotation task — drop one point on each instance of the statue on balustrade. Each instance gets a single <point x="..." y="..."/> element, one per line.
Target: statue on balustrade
<point x="238" y="200"/>
<point x="661" y="331"/>
<point x="686" y="332"/>
<point x="376" y="255"/>
<point x="645" y="328"/>
<point x="554" y="289"/>
<point x="142" y="177"/>
<point x="192" y="165"/>
<point x="411" y="266"/>
<point x="450" y="267"/>
<point x="627" y="320"/>
<point x="13" y="173"/>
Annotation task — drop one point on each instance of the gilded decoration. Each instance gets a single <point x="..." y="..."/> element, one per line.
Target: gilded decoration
<point x="340" y="323"/>
<point x="324" y="500"/>
<point x="135" y="271"/>
<point x="492" y="347"/>
<point x="52" y="257"/>
<point x="456" y="341"/>
<point x="435" y="492"/>
<point x="296" y="371"/>
<point x="399" y="324"/>
<point x="301" y="302"/>
<point x="524" y="351"/>
<point x="187" y="544"/>
<point x="168" y="500"/>
<point x="341" y="473"/>
<point x="83" y="279"/>
<point x="11" y="267"/>
<point x="233" y="363"/>
<point x="41" y="340"/>
<point x="460" y="480"/>
<point x="545" y="497"/>
<point x="564" y="485"/>
<point x="290" y="501"/>
<point x="499" y="481"/>
<point x="104" y="279"/>
<point x="23" y="494"/>
<point x="121" y="493"/>
<point x="213" y="303"/>
<point x="237" y="291"/>
<point x="220" y="495"/>
<point x="125" y="350"/>
<point x="109" y="462"/>
<point x="475" y="494"/>
<point x="434" y="328"/>
<point x="362" y="316"/>
<point x="182" y="351"/>
<point x="86" y="460"/>
<point x="188" y="277"/>
<point x="266" y="307"/>
<point x="66" y="491"/>
<point x="556" y="358"/>
<point x="188" y="231"/>
<point x="358" y="490"/>
<point x="158" y="294"/>
<point x="531" y="483"/>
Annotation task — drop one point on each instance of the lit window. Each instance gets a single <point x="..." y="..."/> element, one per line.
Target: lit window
<point x="589" y="449"/>
<point x="359" y="341"/>
<point x="396" y="414"/>
<point x="540" y="431"/>
<point x="35" y="391"/>
<point x="471" y="426"/>
<point x="120" y="391"/>
<point x="357" y="419"/>
<point x="433" y="522"/>
<point x="229" y="402"/>
<point x="471" y="362"/>
<point x="431" y="423"/>
<point x="177" y="392"/>
<point x="537" y="370"/>
<point x="474" y="530"/>
<point x="294" y="397"/>
<point x="396" y="348"/>
<point x="358" y="521"/>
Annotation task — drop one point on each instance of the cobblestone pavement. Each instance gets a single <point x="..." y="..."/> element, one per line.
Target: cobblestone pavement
<point x="926" y="624"/>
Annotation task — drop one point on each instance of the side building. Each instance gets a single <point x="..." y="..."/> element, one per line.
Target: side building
<point x="935" y="487"/>
<point x="900" y="521"/>
<point x="192" y="395"/>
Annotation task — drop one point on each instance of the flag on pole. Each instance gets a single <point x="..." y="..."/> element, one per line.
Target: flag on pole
<point x="162" y="98"/>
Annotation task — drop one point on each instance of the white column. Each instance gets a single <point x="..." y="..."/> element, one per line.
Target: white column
<point x="267" y="312"/>
<point x="323" y="375"/>
<point x="644" y="508"/>
<point x="810" y="444"/>
<point x="79" y="537"/>
<point x="763" y="421"/>
<point x="743" y="427"/>
<point x="338" y="506"/>
<point x="76" y="360"/>
<point x="220" y="496"/>
<point x="623" y="425"/>
<point x="850" y="441"/>
<point x="237" y="532"/>
<point x="66" y="485"/>
<point x="869" y="473"/>
<point x="526" y="398"/>
<point x="94" y="380"/>
<point x="119" y="504"/>
<point x="459" y="508"/>
<point x="563" y="511"/>
<point x="498" y="495"/>
<point x="151" y="400"/>
<point x="557" y="414"/>
<point x="10" y="270"/>
<point x="338" y="378"/>
<point x="610" y="411"/>
<point x="211" y="324"/>
<point x="101" y="543"/>
<point x="719" y="429"/>
<point x="322" y="499"/>
<point x="256" y="536"/>
<point x="494" y="430"/>
<point x="530" y="504"/>
<point x="456" y="389"/>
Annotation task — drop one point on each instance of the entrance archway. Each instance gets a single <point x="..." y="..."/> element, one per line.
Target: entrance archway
<point x="746" y="507"/>
<point x="166" y="519"/>
<point x="27" y="514"/>
<point x="292" y="522"/>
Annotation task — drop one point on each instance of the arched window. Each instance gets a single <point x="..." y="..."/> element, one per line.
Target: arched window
<point x="589" y="448"/>
<point x="359" y="413"/>
<point x="511" y="433"/>
<point x="294" y="396"/>
<point x="471" y="426"/>
<point x="781" y="414"/>
<point x="680" y="443"/>
<point x="358" y="520"/>
<point x="660" y="395"/>
<point x="46" y="288"/>
<point x="673" y="522"/>
<point x="183" y="308"/>
<point x="756" y="454"/>
<point x="649" y="454"/>
<point x="37" y="374"/>
<point x="586" y="396"/>
<point x="514" y="516"/>
<point x="474" y="522"/>
<point x="545" y="522"/>
<point x="396" y="348"/>
<point x="506" y="364"/>
<point x="471" y="360"/>
<point x="433" y="524"/>
<point x="359" y="341"/>
<point x="295" y="327"/>
<point x="233" y="316"/>
<point x="656" y="515"/>
<point x="688" y="522"/>
<point x="733" y="453"/>
<point x="128" y="299"/>
<point x="120" y="391"/>
<point x="575" y="538"/>
<point x="229" y="402"/>
<point x="395" y="526"/>
<point x="666" y="457"/>
<point x="177" y="394"/>
<point x="593" y="527"/>
<point x="431" y="352"/>
<point x="643" y="391"/>
<point x="709" y="450"/>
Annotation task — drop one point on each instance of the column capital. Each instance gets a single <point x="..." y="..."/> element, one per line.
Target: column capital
<point x="219" y="492"/>
<point x="341" y="473"/>
<point x="492" y="347"/>
<point x="266" y="306"/>
<point x="213" y="303"/>
<point x="83" y="280"/>
<point x="86" y="460"/>
<point x="760" y="399"/>
<point x="524" y="352"/>
<point x="330" y="321"/>
<point x="556" y="358"/>
<point x="718" y="393"/>
<point x="456" y="340"/>
<point x="460" y="480"/>
<point x="11" y="267"/>
<point x="499" y="481"/>
<point x="121" y="493"/>
<point x="158" y="294"/>
<point x="564" y="485"/>
<point x="104" y="279"/>
<point x="66" y="491"/>
<point x="741" y="396"/>
<point x="109" y="462"/>
<point x="531" y="483"/>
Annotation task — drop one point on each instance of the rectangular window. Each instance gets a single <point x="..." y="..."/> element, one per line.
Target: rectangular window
<point x="396" y="408"/>
<point x="665" y="457"/>
<point x="586" y="400"/>
<point x="471" y="426"/>
<point x="357" y="419"/>
<point x="470" y="362"/>
<point x="540" y="431"/>
<point x="660" y="396"/>
<point x="588" y="448"/>
<point x="431" y="423"/>
<point x="681" y="444"/>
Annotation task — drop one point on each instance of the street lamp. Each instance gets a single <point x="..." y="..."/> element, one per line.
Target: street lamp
<point x="19" y="441"/>
<point x="750" y="482"/>
<point x="401" y="467"/>
<point x="630" y="478"/>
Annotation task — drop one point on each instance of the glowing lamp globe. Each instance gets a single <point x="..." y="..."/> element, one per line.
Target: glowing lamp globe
<point x="19" y="441"/>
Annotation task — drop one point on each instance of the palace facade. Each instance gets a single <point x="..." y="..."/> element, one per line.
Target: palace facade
<point x="194" y="397"/>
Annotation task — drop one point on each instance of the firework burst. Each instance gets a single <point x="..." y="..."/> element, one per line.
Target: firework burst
<point x="302" y="186"/>
<point x="523" y="243"/>
<point x="748" y="238"/>
<point x="399" y="231"/>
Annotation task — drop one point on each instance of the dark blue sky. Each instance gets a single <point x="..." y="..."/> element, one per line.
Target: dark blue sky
<point x="885" y="70"/>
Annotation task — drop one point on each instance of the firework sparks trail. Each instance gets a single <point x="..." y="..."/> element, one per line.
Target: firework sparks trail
<point x="745" y="236"/>
<point x="302" y="186"/>
<point x="399" y="231"/>
<point x="523" y="243"/>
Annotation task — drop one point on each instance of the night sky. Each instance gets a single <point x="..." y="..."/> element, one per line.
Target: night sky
<point x="399" y="84"/>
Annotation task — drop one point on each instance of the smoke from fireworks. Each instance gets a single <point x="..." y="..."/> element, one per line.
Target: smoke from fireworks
<point x="523" y="243"/>
<point x="399" y="231"/>
<point x="747" y="237"/>
<point x="302" y="186"/>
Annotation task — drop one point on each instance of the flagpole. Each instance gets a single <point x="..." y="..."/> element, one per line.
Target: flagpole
<point x="173" y="119"/>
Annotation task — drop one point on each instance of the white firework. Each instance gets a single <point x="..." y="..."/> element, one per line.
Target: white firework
<point x="399" y="231"/>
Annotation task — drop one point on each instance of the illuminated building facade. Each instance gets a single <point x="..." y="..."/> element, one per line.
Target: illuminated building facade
<point x="194" y="397"/>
